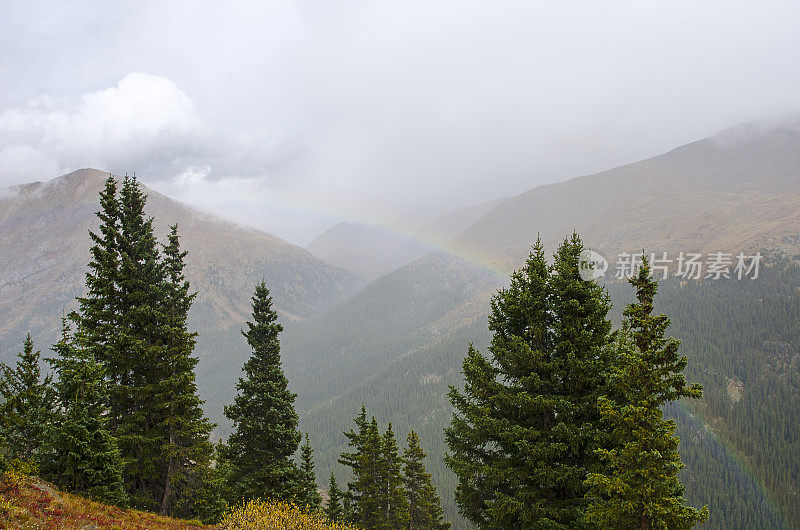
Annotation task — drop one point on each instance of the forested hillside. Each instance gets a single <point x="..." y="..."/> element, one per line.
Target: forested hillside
<point x="740" y="442"/>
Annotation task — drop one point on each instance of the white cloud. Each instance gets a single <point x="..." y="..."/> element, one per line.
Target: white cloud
<point x="23" y="163"/>
<point x="368" y="109"/>
<point x="144" y="119"/>
<point x="147" y="124"/>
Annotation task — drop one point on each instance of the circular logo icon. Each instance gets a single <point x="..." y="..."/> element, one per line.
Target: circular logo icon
<point x="591" y="265"/>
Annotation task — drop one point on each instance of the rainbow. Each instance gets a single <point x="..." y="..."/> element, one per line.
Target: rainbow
<point x="500" y="271"/>
<point x="737" y="461"/>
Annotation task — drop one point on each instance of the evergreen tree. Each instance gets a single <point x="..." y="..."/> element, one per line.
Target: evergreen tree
<point x="581" y="332"/>
<point x="139" y="350"/>
<point x="393" y="505"/>
<point x="424" y="507"/>
<point x="523" y="439"/>
<point x="362" y="499"/>
<point x="638" y="485"/>
<point x="309" y="495"/>
<point x="185" y="447"/>
<point x="120" y="324"/>
<point x="264" y="420"/>
<point x="133" y="322"/>
<point x="82" y="456"/>
<point x="333" y="508"/>
<point x="208" y="501"/>
<point x="97" y="318"/>
<point x="356" y="439"/>
<point x="27" y="405"/>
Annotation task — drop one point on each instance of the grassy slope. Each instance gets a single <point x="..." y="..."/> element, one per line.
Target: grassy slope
<point x="26" y="502"/>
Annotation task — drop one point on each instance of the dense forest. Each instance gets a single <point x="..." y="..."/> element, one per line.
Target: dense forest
<point x="741" y="442"/>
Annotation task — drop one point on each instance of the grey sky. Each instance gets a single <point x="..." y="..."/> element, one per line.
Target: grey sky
<point x="293" y="115"/>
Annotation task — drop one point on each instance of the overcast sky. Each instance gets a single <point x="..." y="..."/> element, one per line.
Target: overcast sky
<point x="293" y="115"/>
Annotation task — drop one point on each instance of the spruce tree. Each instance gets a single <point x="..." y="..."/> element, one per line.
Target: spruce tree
<point x="333" y="508"/>
<point x="356" y="439"/>
<point x="581" y="333"/>
<point x="392" y="502"/>
<point x="82" y="456"/>
<point x="523" y="437"/>
<point x="27" y="407"/>
<point x="133" y="322"/>
<point x="506" y="407"/>
<point x="120" y="323"/>
<point x="265" y="432"/>
<point x="97" y="320"/>
<point x="208" y="501"/>
<point x="308" y="495"/>
<point x="638" y="485"/>
<point x="362" y="499"/>
<point x="185" y="447"/>
<point x="424" y="507"/>
<point x="137" y="357"/>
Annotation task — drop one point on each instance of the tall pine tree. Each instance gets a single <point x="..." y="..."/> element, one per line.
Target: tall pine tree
<point x="638" y="485"/>
<point x="97" y="319"/>
<point x="139" y="351"/>
<point x="424" y="507"/>
<point x="133" y="322"/>
<point x="362" y="500"/>
<point x="82" y="455"/>
<point x="27" y="405"/>
<point x="523" y="437"/>
<point x="185" y="447"/>
<point x="581" y="332"/>
<point x="265" y="432"/>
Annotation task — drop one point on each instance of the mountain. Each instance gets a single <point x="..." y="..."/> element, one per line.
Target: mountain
<point x="732" y="192"/>
<point x="373" y="250"/>
<point x="398" y="343"/>
<point x="436" y="234"/>
<point x="360" y="248"/>
<point x="45" y="249"/>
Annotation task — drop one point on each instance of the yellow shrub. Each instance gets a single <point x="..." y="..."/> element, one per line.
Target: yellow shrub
<point x="268" y="515"/>
<point x="6" y="508"/>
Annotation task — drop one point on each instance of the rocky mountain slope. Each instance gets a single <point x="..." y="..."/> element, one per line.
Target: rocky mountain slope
<point x="735" y="191"/>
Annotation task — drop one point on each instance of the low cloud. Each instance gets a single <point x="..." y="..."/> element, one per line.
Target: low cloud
<point x="145" y="123"/>
<point x="115" y="128"/>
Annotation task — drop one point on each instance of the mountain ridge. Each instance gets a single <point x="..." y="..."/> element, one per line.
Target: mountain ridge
<point x="740" y="190"/>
